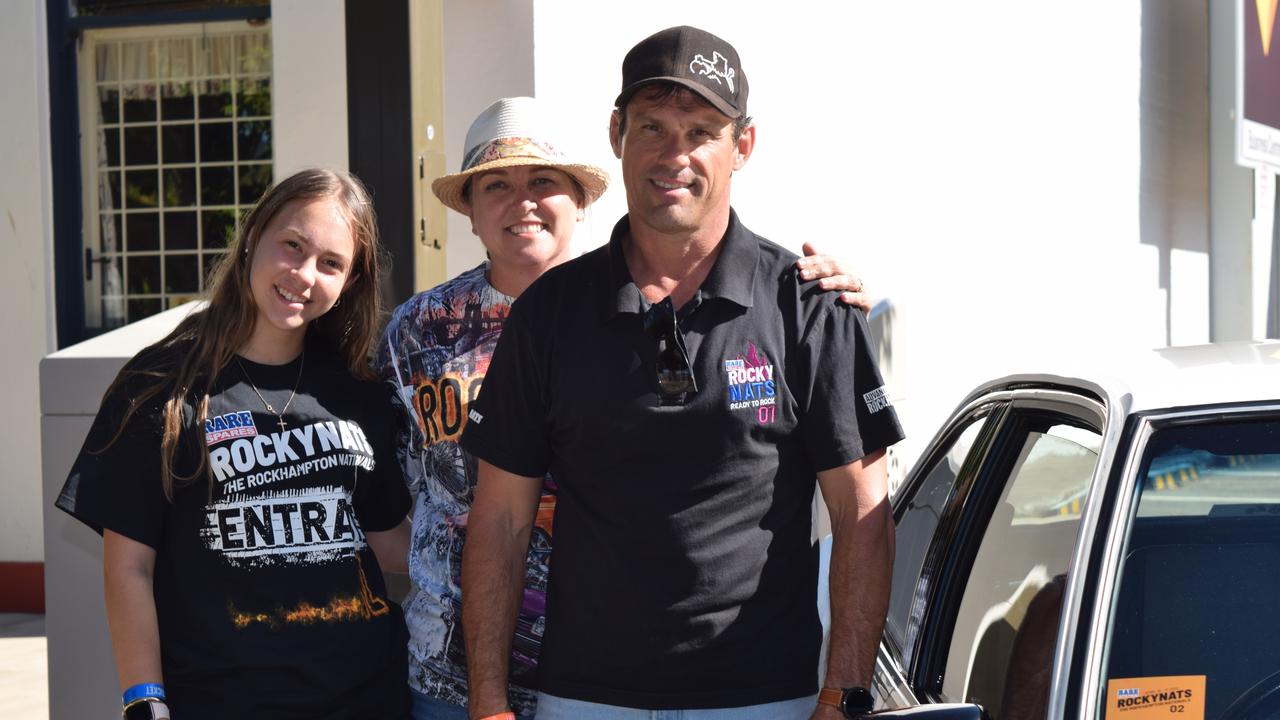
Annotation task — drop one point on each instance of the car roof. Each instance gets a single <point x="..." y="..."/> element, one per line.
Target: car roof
<point x="1230" y="372"/>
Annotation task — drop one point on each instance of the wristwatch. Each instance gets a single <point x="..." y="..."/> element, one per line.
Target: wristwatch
<point x="852" y="702"/>
<point x="146" y="709"/>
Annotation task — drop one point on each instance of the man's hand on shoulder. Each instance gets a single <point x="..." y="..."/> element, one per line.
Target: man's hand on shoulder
<point x="833" y="274"/>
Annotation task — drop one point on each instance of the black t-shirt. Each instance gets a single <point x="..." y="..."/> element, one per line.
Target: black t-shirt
<point x="683" y="575"/>
<point x="270" y="603"/>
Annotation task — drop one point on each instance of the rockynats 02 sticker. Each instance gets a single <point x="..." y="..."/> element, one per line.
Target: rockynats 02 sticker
<point x="1174" y="696"/>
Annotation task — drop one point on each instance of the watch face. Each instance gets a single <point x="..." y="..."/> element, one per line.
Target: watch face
<point x="856" y="701"/>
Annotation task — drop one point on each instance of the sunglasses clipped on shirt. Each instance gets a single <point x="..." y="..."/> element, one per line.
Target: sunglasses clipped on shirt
<point x="676" y="383"/>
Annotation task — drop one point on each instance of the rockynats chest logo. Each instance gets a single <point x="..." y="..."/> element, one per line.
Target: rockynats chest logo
<point x="751" y="384"/>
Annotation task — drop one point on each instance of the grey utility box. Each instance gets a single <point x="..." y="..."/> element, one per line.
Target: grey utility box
<point x="82" y="676"/>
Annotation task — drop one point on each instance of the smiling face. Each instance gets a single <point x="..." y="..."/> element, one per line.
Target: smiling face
<point x="525" y="216"/>
<point x="678" y="156"/>
<point x="301" y="264"/>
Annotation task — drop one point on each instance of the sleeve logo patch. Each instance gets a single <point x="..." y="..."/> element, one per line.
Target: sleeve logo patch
<point x="876" y="400"/>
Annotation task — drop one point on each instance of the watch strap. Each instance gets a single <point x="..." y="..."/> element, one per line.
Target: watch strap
<point x="830" y="696"/>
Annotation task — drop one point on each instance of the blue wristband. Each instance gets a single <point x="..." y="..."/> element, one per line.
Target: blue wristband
<point x="143" y="690"/>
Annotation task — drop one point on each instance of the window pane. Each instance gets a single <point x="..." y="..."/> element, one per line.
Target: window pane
<point x="254" y="52"/>
<point x="179" y="143"/>
<point x="1200" y="580"/>
<point x="140" y="146"/>
<point x="255" y="140"/>
<point x="139" y="309"/>
<point x="181" y="273"/>
<point x="177" y="102"/>
<point x="253" y="97"/>
<point x="108" y="62"/>
<point x="1002" y="643"/>
<point x="179" y="187"/>
<point x="254" y="180"/>
<point x="215" y="142"/>
<point x="179" y="230"/>
<point x="143" y="275"/>
<point x="217" y="185"/>
<point x="139" y="103"/>
<point x="111" y="147"/>
<point x="208" y="261"/>
<point x="109" y="186"/>
<point x="112" y="228"/>
<point x="215" y="100"/>
<point x="141" y="188"/>
<point x="109" y="104"/>
<point x="915" y="530"/>
<point x="219" y="227"/>
<point x="143" y="232"/>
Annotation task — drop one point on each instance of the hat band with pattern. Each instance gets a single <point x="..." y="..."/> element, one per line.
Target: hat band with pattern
<point x="511" y="147"/>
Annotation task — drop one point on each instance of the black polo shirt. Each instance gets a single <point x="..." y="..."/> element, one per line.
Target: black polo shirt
<point x="682" y="574"/>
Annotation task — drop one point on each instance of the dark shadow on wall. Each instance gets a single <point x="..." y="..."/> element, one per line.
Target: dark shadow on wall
<point x="1173" y="184"/>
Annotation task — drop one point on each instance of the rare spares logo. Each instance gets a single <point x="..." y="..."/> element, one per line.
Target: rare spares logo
<point x="232" y="425"/>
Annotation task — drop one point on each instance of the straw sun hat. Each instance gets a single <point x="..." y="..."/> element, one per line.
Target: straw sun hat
<point x="511" y="132"/>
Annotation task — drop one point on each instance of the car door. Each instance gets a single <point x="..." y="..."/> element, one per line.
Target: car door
<point x="981" y="622"/>
<point x="1189" y="580"/>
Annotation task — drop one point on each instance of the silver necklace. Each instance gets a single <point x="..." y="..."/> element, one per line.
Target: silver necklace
<point x="302" y="359"/>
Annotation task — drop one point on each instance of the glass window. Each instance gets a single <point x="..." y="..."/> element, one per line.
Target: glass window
<point x="178" y="139"/>
<point x="919" y="520"/>
<point x="1199" y="586"/>
<point x="1001" y="649"/>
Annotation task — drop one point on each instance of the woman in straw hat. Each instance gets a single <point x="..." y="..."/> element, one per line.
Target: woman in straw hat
<point x="524" y="197"/>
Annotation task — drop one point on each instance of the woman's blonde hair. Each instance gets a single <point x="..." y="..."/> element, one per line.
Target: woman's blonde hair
<point x="206" y="341"/>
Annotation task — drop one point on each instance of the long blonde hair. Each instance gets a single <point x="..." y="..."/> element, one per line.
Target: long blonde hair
<point x="206" y="341"/>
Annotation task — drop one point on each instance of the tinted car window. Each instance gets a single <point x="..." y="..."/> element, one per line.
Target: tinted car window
<point x="916" y="526"/>
<point x="1001" y="646"/>
<point x="1199" y="589"/>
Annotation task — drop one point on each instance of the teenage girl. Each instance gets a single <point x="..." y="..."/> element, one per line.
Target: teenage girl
<point x="242" y="474"/>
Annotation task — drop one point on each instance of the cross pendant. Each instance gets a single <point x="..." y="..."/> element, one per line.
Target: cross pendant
<point x="280" y="421"/>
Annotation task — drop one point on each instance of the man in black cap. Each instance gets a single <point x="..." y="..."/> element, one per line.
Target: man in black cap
<point x="684" y="386"/>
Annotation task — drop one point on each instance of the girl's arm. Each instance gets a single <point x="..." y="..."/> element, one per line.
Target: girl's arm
<point x="391" y="547"/>
<point x="128" y="566"/>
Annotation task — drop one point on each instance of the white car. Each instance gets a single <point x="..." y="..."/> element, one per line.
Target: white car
<point x="1095" y="548"/>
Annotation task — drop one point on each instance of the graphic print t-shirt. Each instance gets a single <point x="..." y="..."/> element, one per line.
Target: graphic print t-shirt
<point x="435" y="354"/>
<point x="269" y="601"/>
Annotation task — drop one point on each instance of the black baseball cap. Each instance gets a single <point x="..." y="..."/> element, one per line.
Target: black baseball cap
<point x="690" y="57"/>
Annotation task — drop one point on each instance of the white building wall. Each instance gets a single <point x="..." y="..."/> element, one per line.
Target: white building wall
<point x="309" y="53"/>
<point x="26" y="292"/>
<point x="488" y="54"/>
<point x="978" y="162"/>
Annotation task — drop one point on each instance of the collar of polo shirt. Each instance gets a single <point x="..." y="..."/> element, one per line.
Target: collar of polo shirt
<point x="732" y="277"/>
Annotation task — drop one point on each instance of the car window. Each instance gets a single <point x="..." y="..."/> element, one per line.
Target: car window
<point x="916" y="525"/>
<point x="1001" y="644"/>
<point x="1199" y="588"/>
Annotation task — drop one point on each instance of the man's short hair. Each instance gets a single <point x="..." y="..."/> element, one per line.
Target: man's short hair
<point x="663" y="93"/>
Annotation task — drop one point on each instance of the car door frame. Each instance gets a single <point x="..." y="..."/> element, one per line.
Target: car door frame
<point x="1101" y="407"/>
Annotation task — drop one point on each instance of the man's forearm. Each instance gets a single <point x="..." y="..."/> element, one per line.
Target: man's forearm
<point x="861" y="570"/>
<point x="860" y="575"/>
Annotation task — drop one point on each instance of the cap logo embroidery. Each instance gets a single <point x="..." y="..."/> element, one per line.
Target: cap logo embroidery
<point x="716" y="68"/>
